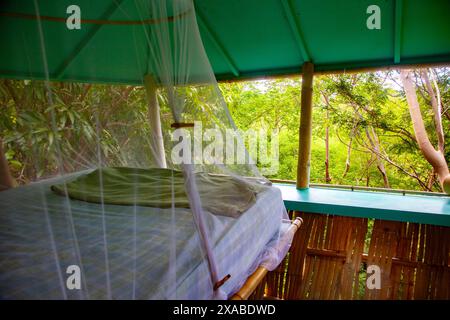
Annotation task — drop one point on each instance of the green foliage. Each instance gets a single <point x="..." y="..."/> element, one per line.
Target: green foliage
<point x="40" y="131"/>
<point x="354" y="104"/>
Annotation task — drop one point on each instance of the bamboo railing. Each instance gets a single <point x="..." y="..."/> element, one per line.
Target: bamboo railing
<point x="329" y="257"/>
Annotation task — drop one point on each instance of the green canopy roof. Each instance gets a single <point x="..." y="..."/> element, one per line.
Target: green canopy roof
<point x="243" y="38"/>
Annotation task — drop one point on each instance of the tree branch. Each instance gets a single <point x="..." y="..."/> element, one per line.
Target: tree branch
<point x="434" y="157"/>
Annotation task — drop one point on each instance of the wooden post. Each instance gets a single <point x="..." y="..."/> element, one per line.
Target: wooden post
<point x="6" y="180"/>
<point x="305" y="132"/>
<point x="157" y="142"/>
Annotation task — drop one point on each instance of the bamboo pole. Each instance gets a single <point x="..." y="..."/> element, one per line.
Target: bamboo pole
<point x="250" y="285"/>
<point x="157" y="142"/>
<point x="305" y="132"/>
<point x="255" y="279"/>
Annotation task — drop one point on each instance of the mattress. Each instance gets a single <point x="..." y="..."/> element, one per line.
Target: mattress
<point x="123" y="252"/>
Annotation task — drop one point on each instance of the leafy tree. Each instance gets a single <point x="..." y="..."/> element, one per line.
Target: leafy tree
<point x="362" y="128"/>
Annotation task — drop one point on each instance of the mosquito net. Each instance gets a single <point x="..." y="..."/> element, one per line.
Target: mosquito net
<point x="142" y="189"/>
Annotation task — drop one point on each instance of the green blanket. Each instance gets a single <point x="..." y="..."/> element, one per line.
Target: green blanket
<point x="222" y="195"/>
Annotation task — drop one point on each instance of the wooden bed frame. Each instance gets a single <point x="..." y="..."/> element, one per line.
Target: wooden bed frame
<point x="256" y="278"/>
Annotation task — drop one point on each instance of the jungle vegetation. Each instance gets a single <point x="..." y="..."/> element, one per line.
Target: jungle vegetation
<point x="363" y="133"/>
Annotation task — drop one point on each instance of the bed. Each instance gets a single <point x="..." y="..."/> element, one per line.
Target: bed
<point x="138" y="238"/>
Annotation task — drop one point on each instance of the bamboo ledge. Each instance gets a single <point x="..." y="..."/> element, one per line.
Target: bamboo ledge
<point x="256" y="277"/>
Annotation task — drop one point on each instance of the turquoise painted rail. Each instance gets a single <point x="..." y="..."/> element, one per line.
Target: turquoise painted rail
<point x="368" y="204"/>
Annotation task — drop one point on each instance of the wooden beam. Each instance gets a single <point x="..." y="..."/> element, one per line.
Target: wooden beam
<point x="364" y="258"/>
<point x="305" y="132"/>
<point x="398" y="30"/>
<point x="288" y="8"/>
<point x="154" y="118"/>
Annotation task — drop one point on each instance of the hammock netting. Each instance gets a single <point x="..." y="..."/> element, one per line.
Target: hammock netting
<point x="152" y="203"/>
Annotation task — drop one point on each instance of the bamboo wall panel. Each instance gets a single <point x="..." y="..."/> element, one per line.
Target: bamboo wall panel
<point x="382" y="249"/>
<point x="324" y="260"/>
<point x="327" y="260"/>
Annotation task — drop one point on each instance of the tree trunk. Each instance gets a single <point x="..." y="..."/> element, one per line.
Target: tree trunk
<point x="327" y="150"/>
<point x="157" y="142"/>
<point x="327" y="139"/>
<point x="369" y="163"/>
<point x="431" y="180"/>
<point x="349" y="149"/>
<point x="436" y="105"/>
<point x="375" y="149"/>
<point x="375" y="145"/>
<point x="434" y="157"/>
<point x="6" y="180"/>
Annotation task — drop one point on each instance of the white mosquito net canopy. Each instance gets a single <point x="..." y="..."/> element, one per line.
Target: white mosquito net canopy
<point x="142" y="191"/>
